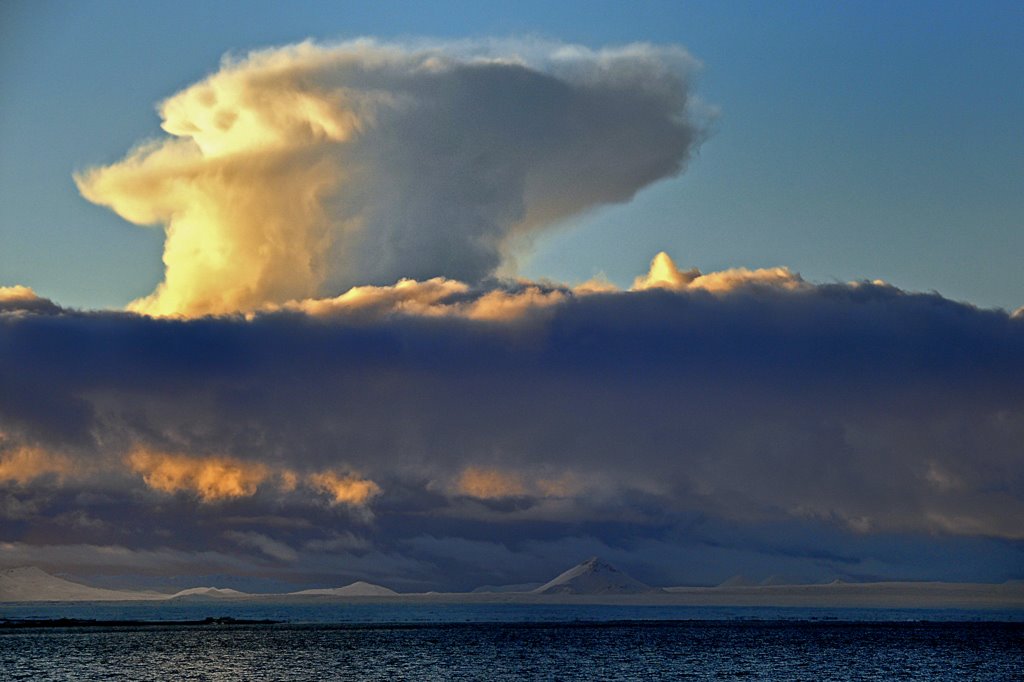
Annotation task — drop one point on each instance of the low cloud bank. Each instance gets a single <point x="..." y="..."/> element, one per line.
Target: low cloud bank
<point x="21" y="298"/>
<point x="392" y="412"/>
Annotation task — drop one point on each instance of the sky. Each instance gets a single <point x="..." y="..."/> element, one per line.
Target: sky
<point x="445" y="295"/>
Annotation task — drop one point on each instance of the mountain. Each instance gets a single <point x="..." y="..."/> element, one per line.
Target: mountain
<point x="32" y="584"/>
<point x="193" y="593"/>
<point x="356" y="589"/>
<point x="594" y="576"/>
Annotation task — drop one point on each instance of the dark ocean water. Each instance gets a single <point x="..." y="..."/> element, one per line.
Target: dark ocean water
<point x="482" y="642"/>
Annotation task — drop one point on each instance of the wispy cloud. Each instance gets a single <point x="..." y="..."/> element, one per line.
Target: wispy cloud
<point x="24" y="464"/>
<point x="264" y="544"/>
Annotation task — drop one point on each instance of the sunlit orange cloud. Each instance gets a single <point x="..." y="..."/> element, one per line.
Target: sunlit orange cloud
<point x="215" y="478"/>
<point x="594" y="286"/>
<point x="240" y="187"/>
<point x="297" y="172"/>
<point x="407" y="296"/>
<point x="502" y="305"/>
<point x="345" y="489"/>
<point x="235" y="230"/>
<point x="438" y="297"/>
<point x="17" y="294"/>
<point x="664" y="274"/>
<point x="489" y="484"/>
<point x="19" y="299"/>
<point x="209" y="478"/>
<point x="288" y="480"/>
<point x="25" y="464"/>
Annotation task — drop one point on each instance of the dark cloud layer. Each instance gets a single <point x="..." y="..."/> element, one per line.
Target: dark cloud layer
<point x="815" y="432"/>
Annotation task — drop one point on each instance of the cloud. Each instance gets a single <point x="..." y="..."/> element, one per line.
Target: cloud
<point x="338" y="542"/>
<point x="210" y="478"/>
<point x="87" y="558"/>
<point x="440" y="297"/>
<point x="267" y="545"/>
<point x="344" y="489"/>
<point x="517" y="299"/>
<point x="489" y="484"/>
<point x="25" y="464"/>
<point x="216" y="478"/>
<point x="664" y="274"/>
<point x="300" y="172"/>
<point x="857" y="415"/>
<point x="406" y="296"/>
<point x="19" y="298"/>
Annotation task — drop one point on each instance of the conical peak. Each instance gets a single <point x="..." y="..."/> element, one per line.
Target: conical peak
<point x="593" y="576"/>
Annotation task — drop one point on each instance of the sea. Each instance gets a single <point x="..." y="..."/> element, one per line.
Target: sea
<point x="439" y="641"/>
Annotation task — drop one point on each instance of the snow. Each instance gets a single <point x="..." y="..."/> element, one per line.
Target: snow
<point x="594" y="576"/>
<point x="33" y="584"/>
<point x="356" y="589"/>
<point x="212" y="592"/>
<point x="593" y="581"/>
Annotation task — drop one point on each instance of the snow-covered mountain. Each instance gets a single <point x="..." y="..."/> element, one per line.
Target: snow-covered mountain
<point x="356" y="589"/>
<point x="209" y="593"/>
<point x="594" y="576"/>
<point x="33" y="584"/>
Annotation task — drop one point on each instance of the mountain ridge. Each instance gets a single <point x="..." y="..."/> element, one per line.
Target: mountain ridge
<point x="594" y="576"/>
<point x="359" y="588"/>
<point x="592" y="582"/>
<point x="32" y="584"/>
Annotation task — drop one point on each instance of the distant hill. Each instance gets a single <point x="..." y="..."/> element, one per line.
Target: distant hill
<point x="594" y="576"/>
<point x="356" y="589"/>
<point x="33" y="584"/>
<point x="593" y="581"/>
<point x="209" y="593"/>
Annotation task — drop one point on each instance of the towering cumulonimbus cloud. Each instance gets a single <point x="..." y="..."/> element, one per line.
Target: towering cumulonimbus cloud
<point x="302" y="171"/>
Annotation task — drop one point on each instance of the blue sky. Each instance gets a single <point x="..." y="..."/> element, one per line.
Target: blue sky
<point x="858" y="141"/>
